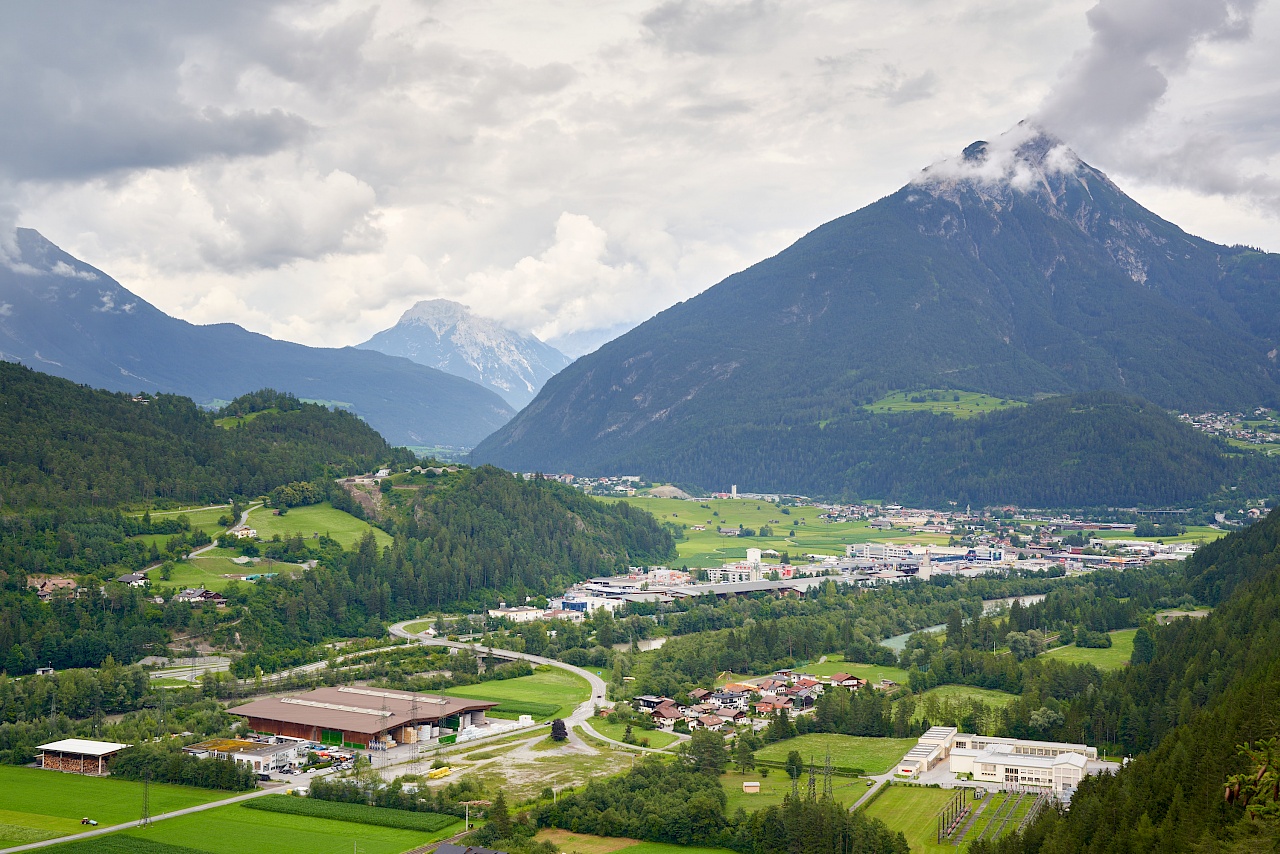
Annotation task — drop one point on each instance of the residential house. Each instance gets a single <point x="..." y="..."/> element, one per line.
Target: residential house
<point x="713" y="723"/>
<point x="730" y="699"/>
<point x="666" y="715"/>
<point x="133" y="579"/>
<point x="197" y="595"/>
<point x="771" y="706"/>
<point x="846" y="680"/>
<point x="648" y="702"/>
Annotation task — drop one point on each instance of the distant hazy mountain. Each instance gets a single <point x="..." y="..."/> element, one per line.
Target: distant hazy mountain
<point x="64" y="317"/>
<point x="1015" y="270"/>
<point x="443" y="334"/>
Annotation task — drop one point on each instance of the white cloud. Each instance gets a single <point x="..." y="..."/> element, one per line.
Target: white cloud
<point x="311" y="169"/>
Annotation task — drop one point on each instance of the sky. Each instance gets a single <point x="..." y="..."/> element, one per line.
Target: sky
<point x="310" y="170"/>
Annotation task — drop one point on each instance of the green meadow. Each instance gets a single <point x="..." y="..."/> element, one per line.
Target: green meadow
<point x="547" y="689"/>
<point x="1112" y="658"/>
<point x="36" y="805"/>
<point x="848" y="752"/>
<point x="961" y="404"/>
<point x="321" y="519"/>
<point x="798" y="532"/>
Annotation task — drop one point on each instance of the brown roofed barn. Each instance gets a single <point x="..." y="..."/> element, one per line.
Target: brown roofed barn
<point x="360" y="717"/>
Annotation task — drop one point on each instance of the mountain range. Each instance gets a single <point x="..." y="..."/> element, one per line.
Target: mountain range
<point x="64" y="317"/>
<point x="1016" y="270"/>
<point x="443" y="334"/>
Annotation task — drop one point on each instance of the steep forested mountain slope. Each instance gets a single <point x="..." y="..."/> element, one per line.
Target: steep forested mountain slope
<point x="1083" y="450"/>
<point x="1017" y="270"/>
<point x="442" y="334"/>
<point x="64" y="317"/>
<point x="1211" y="686"/>
<point x="64" y="445"/>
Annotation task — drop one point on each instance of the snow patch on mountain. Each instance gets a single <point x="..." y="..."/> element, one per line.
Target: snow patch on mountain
<point x="444" y="334"/>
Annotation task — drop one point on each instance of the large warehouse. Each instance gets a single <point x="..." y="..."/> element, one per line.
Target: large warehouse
<point x="363" y="717"/>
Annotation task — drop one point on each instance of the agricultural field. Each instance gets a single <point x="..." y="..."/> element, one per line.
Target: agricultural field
<point x="657" y="738"/>
<point x="873" y="673"/>
<point x="913" y="811"/>
<point x="581" y="843"/>
<point x="849" y="753"/>
<point x="810" y="535"/>
<point x="315" y="519"/>
<point x="547" y="694"/>
<point x="1194" y="534"/>
<point x="961" y="404"/>
<point x="777" y="785"/>
<point x="1113" y="658"/>
<point x="236" y="829"/>
<point x="36" y="805"/>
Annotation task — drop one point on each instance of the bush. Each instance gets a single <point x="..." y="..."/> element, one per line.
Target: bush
<point x="425" y="822"/>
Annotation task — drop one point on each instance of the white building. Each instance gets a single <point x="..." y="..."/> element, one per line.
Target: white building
<point x="520" y="614"/>
<point x="1052" y="765"/>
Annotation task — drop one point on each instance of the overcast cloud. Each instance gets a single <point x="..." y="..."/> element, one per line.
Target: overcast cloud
<point x="311" y="169"/>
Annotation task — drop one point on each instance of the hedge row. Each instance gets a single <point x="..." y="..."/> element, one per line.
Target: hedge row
<point x="426" y="822"/>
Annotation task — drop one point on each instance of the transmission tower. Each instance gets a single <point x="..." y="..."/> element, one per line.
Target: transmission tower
<point x="827" y="791"/>
<point x="813" y="781"/>
<point x="795" y="789"/>
<point x="146" y="800"/>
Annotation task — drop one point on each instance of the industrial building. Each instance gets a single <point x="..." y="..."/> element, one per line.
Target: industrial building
<point x="1052" y="765"/>
<point x="262" y="757"/>
<point x="372" y="718"/>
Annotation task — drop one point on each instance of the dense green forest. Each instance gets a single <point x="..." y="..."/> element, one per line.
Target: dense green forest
<point x="472" y="538"/>
<point x="1092" y="450"/>
<point x="1211" y="687"/>
<point x="684" y="804"/>
<point x="63" y="445"/>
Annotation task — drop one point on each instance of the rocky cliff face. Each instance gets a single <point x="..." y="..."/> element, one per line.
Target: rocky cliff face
<point x="445" y="335"/>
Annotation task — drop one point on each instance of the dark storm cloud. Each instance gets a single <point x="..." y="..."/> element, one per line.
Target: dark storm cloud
<point x="88" y="89"/>
<point x="1117" y="81"/>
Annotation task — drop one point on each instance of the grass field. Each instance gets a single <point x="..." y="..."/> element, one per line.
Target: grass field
<point x="204" y="520"/>
<point x="550" y="686"/>
<point x="810" y="535"/>
<point x="315" y="519"/>
<point x="777" y="785"/>
<point x="871" y="672"/>
<point x="232" y="421"/>
<point x="657" y="738"/>
<point x="955" y="693"/>
<point x="581" y="843"/>
<point x="1194" y="533"/>
<point x="1113" y="658"/>
<point x="208" y="572"/>
<point x="961" y="404"/>
<point x="238" y="830"/>
<point x="914" y="812"/>
<point x="872" y="755"/>
<point x="36" y="805"/>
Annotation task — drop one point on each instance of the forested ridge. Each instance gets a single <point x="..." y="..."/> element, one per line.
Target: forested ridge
<point x="64" y="445"/>
<point x="1089" y="450"/>
<point x="479" y="536"/>
<point x="70" y="456"/>
<point x="1211" y="686"/>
